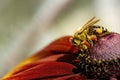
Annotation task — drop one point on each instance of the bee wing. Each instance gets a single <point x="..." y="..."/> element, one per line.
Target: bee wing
<point x="91" y="22"/>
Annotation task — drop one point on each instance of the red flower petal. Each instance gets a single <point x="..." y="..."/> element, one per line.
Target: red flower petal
<point x="43" y="70"/>
<point x="58" y="57"/>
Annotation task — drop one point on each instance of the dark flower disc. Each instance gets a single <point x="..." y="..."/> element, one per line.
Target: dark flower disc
<point x="102" y="60"/>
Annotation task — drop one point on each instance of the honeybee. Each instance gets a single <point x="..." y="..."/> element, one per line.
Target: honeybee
<point x="85" y="37"/>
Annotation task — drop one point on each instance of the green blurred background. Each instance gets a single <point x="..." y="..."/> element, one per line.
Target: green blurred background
<point x="26" y="26"/>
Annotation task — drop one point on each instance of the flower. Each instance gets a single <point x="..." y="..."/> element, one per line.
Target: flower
<point x="56" y="61"/>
